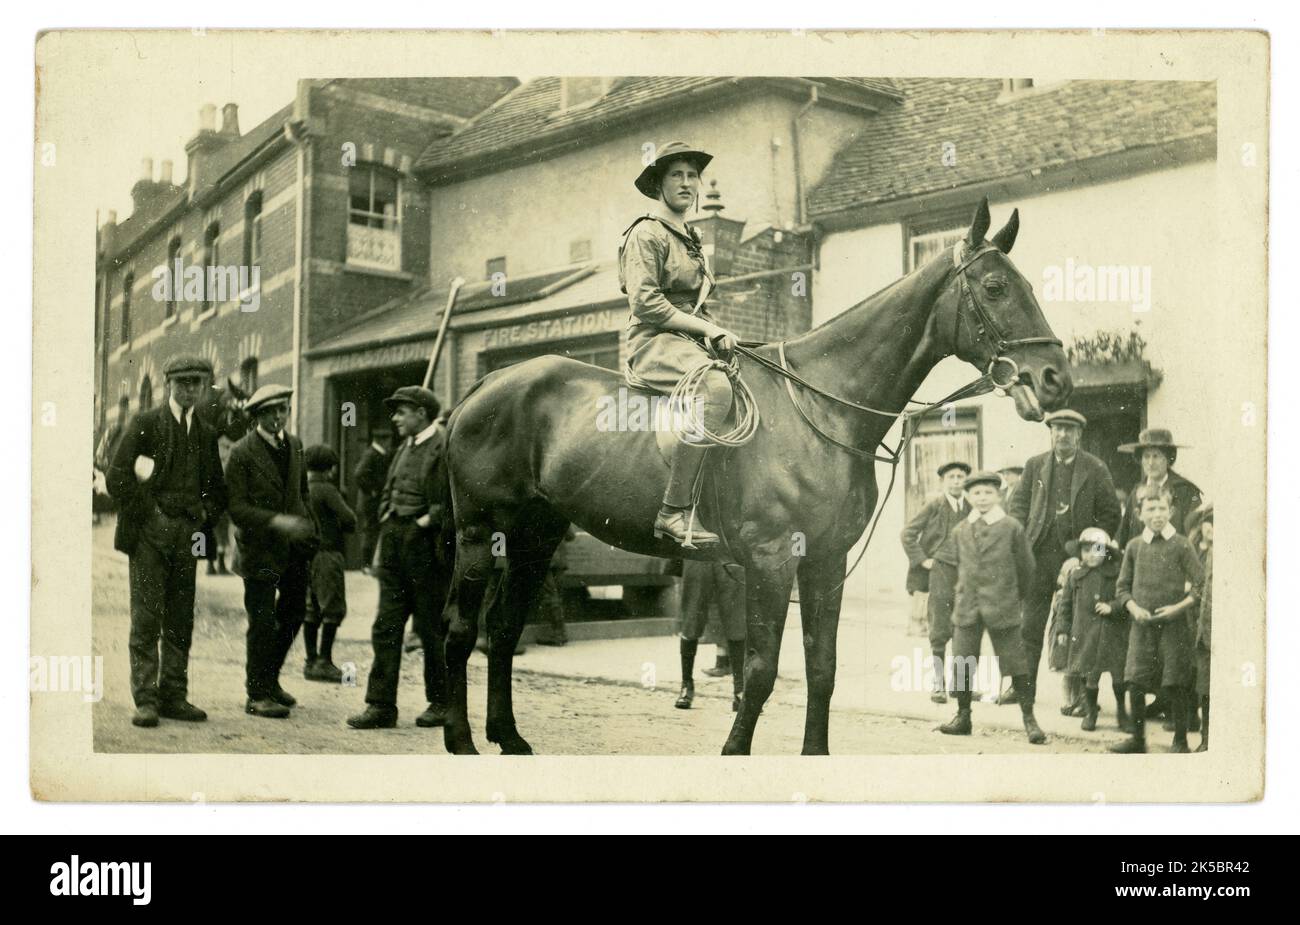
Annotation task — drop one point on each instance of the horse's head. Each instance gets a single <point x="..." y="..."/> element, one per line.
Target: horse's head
<point x="223" y="411"/>
<point x="991" y="320"/>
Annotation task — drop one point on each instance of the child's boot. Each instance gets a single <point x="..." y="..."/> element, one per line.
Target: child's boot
<point x="1135" y="744"/>
<point x="1090" y="710"/>
<point x="1178" y="709"/>
<point x="1033" y="731"/>
<point x="1121" y="710"/>
<point x="960" y="724"/>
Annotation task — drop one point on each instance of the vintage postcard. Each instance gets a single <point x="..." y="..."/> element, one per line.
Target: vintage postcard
<point x="649" y="416"/>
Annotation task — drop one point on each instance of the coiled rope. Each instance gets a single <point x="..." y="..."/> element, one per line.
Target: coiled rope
<point x="686" y="397"/>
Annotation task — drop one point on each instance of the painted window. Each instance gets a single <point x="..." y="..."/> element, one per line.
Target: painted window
<point x="580" y="250"/>
<point x="496" y="265"/>
<point x="582" y="91"/>
<point x="146" y="393"/>
<point x="211" y="258"/>
<point x="922" y="248"/>
<point x="248" y="375"/>
<point x="374" y="218"/>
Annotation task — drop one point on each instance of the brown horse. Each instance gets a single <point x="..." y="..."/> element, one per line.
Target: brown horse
<point x="527" y="455"/>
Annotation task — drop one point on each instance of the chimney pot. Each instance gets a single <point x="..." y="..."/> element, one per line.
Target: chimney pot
<point x="207" y="118"/>
<point x="230" y="119"/>
<point x="146" y="169"/>
<point x="165" y="173"/>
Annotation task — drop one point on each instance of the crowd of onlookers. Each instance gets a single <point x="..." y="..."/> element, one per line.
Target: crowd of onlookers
<point x="1115" y="584"/>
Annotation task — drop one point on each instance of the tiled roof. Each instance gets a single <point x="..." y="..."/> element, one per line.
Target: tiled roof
<point x="462" y="97"/>
<point x="416" y="314"/>
<point x="530" y="116"/>
<point x="902" y="154"/>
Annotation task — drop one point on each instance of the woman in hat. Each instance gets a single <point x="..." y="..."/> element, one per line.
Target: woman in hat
<point x="1157" y="452"/>
<point x="664" y="275"/>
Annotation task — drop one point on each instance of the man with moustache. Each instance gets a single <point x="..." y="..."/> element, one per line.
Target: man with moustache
<point x="1061" y="493"/>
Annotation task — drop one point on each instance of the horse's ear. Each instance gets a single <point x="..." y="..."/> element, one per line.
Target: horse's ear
<point x="980" y="225"/>
<point x="1005" y="239"/>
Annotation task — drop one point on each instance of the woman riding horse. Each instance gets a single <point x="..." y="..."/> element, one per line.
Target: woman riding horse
<point x="664" y="275"/>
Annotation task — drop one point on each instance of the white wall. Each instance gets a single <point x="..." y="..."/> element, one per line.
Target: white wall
<point x="1163" y="221"/>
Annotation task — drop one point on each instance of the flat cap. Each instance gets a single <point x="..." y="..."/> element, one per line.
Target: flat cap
<point x="948" y="467"/>
<point x="1013" y="467"/>
<point x="320" y="458"/>
<point x="187" y="365"/>
<point x="414" y="395"/>
<point x="268" y="395"/>
<point x="1066" y="416"/>
<point x="983" y="477"/>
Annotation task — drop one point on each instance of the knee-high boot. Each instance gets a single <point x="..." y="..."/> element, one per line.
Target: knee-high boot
<point x="677" y="519"/>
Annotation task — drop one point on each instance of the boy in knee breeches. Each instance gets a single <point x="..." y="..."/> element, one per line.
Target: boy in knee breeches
<point x="1157" y="586"/>
<point x="994" y="569"/>
<point x="327" y="602"/>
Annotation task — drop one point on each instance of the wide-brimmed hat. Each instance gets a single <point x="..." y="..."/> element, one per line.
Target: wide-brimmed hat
<point x="1066" y="416"/>
<point x="1156" y="438"/>
<point x="948" y="467"/>
<point x="983" y="477"/>
<point x="414" y="395"/>
<point x="267" y="396"/>
<point x="648" y="181"/>
<point x="187" y="365"/>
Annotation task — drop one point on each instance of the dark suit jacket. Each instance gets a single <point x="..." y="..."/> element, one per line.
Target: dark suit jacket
<point x="435" y="479"/>
<point x="1092" y="497"/>
<point x="994" y="570"/>
<point x="257" y="494"/>
<point x="1187" y="498"/>
<point x="925" y="534"/>
<point x="151" y="433"/>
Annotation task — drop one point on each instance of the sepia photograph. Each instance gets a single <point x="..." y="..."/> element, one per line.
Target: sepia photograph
<point x="517" y="405"/>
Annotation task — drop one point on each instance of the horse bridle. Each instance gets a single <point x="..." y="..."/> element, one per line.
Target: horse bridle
<point x="987" y="330"/>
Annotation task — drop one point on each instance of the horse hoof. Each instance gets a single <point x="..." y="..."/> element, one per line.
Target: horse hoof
<point x="457" y="743"/>
<point x="730" y="749"/>
<point x="820" y="750"/>
<point x="514" y="744"/>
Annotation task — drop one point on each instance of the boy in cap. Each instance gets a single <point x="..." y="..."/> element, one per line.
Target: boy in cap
<point x="412" y="579"/>
<point x="1159" y="568"/>
<point x="994" y="569"/>
<point x="167" y="481"/>
<point x="327" y="602"/>
<point x="277" y="539"/>
<point x="932" y="562"/>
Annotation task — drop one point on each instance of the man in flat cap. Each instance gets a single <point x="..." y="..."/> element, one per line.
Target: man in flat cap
<point x="1061" y="493"/>
<point x="412" y="580"/>
<point x="167" y="481"/>
<point x="922" y="540"/>
<point x="277" y="539"/>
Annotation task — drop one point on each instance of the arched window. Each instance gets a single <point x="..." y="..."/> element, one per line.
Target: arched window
<point x="146" y="393"/>
<point x="248" y="375"/>
<point x="128" y="283"/>
<point x="173" y="258"/>
<point x="253" y="230"/>
<point x="211" y="258"/>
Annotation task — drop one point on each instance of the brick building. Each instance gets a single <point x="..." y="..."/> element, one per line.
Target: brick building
<point x="528" y="203"/>
<point x="318" y="208"/>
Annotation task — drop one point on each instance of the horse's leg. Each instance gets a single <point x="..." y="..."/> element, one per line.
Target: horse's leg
<point x="469" y="587"/>
<point x="767" y="598"/>
<point x="521" y="585"/>
<point x="820" y="592"/>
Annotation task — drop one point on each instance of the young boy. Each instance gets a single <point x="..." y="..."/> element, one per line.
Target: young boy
<point x="1157" y="586"/>
<point x="327" y="603"/>
<point x="1094" y="623"/>
<point x="994" y="569"/>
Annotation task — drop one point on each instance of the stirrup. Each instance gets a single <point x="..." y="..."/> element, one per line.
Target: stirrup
<point x="687" y="541"/>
